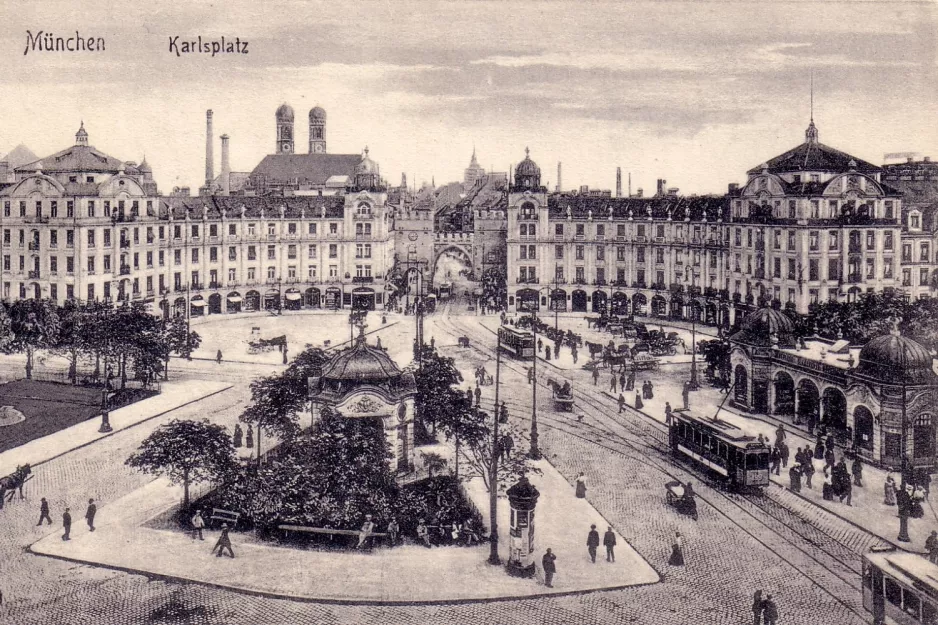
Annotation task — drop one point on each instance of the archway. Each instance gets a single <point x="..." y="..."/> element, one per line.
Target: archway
<point x="578" y="301"/>
<point x="252" y="301"/>
<point x="292" y="299"/>
<point x="599" y="302"/>
<point x="558" y="300"/>
<point x="809" y="403"/>
<point x="620" y="304"/>
<point x="863" y="428"/>
<point x="453" y="266"/>
<point x="741" y="385"/>
<point x="312" y="297"/>
<point x="784" y="394"/>
<point x="233" y="302"/>
<point x="659" y="306"/>
<point x="923" y="436"/>
<point x="677" y="307"/>
<point x="363" y="299"/>
<point x="214" y="304"/>
<point x="333" y="299"/>
<point x="272" y="299"/>
<point x="196" y="306"/>
<point x="835" y="408"/>
<point x="526" y="300"/>
<point x="164" y="309"/>
<point x="639" y="304"/>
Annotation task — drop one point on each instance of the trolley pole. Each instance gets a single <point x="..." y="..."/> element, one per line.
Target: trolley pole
<point x="493" y="469"/>
<point x="904" y="509"/>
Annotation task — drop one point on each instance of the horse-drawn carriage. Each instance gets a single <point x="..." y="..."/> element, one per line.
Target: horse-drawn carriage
<point x="258" y="346"/>
<point x="463" y="341"/>
<point x="562" y="396"/>
<point x="644" y="362"/>
<point x="681" y="497"/>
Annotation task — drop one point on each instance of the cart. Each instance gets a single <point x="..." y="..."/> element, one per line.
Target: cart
<point x="563" y="403"/>
<point x="644" y="362"/>
<point x="674" y="494"/>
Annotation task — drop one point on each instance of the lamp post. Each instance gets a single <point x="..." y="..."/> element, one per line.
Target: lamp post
<point x="906" y="502"/>
<point x="493" y="469"/>
<point x="694" y="384"/>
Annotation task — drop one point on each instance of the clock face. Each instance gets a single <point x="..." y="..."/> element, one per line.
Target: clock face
<point x="319" y="149"/>
<point x="286" y="147"/>
<point x="412" y="236"/>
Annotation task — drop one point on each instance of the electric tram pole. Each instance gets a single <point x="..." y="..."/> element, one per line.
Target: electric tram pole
<point x="493" y="469"/>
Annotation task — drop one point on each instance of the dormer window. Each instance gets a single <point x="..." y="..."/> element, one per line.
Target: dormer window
<point x="89" y="179"/>
<point x="363" y="210"/>
<point x="73" y="178"/>
<point x="528" y="210"/>
<point x="915" y="221"/>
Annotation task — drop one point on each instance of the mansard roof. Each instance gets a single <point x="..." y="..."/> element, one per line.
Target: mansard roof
<point x="294" y="207"/>
<point x="677" y="207"/>
<point x="78" y="158"/>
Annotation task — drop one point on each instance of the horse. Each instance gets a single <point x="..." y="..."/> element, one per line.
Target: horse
<point x="594" y="349"/>
<point x="14" y="482"/>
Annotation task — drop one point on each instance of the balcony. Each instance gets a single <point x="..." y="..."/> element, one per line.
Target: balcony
<point x="528" y="281"/>
<point x="620" y="283"/>
<point x="639" y="285"/>
<point x="854" y="278"/>
<point x="123" y="218"/>
<point x="599" y="283"/>
<point x="363" y="279"/>
<point x="640" y="239"/>
<point x="34" y="246"/>
<point x="760" y="274"/>
<point x="527" y="216"/>
<point x="125" y="243"/>
<point x="214" y="285"/>
<point x="125" y="270"/>
<point x="33" y="275"/>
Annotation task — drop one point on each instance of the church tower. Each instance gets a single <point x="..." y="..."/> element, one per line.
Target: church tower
<point x="284" y="129"/>
<point x="473" y="172"/>
<point x="317" y="130"/>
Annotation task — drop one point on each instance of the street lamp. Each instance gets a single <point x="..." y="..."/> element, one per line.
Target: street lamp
<point x="493" y="470"/>
<point x="694" y="384"/>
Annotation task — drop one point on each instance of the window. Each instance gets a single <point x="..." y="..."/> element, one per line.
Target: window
<point x="22" y="209"/>
<point x="69" y="208"/>
<point x="888" y="209"/>
<point x="833" y="239"/>
<point x="271" y="252"/>
<point x="162" y="258"/>
<point x="922" y="277"/>
<point x="333" y="271"/>
<point x="252" y="252"/>
<point x="870" y="268"/>
<point x="271" y="273"/>
<point x="887" y="268"/>
<point x="791" y="268"/>
<point x="600" y="252"/>
<point x="70" y="264"/>
<point x="579" y="252"/>
<point x="907" y="253"/>
<point x="311" y="272"/>
<point x="915" y="221"/>
<point x="870" y="240"/>
<point x="149" y="260"/>
<point x="791" y="204"/>
<point x="195" y="255"/>
<point x="906" y="277"/>
<point x="600" y="230"/>
<point x="177" y="232"/>
<point x="815" y="205"/>
<point x="777" y="239"/>
<point x="107" y="238"/>
<point x="813" y="240"/>
<point x="232" y="230"/>
<point x="580" y="275"/>
<point x="232" y="275"/>
<point x="748" y="237"/>
<point x="738" y="239"/>
<point x="291" y="228"/>
<point x="833" y="270"/>
<point x="251" y="273"/>
<point x="620" y="252"/>
<point x="107" y="263"/>
<point x="923" y="253"/>
<point x="252" y="230"/>
<point x="659" y="255"/>
<point x="53" y="209"/>
<point x="333" y="228"/>
<point x="91" y="242"/>
<point x="312" y="229"/>
<point x="620" y="230"/>
<point x="333" y="250"/>
<point x="271" y="229"/>
<point x="558" y="230"/>
<point x="6" y="209"/>
<point x="91" y="265"/>
<point x="177" y="257"/>
<point x="107" y="208"/>
<point x="232" y="252"/>
<point x="312" y="251"/>
<point x="162" y="233"/>
<point x="291" y="252"/>
<point x="777" y="268"/>
<point x="91" y="208"/>
<point x="640" y="254"/>
<point x="814" y="271"/>
<point x="6" y="262"/>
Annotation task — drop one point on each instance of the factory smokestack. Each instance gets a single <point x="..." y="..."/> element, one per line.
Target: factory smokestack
<point x="225" y="167"/>
<point x="559" y="178"/>
<point x="618" y="182"/>
<point x="209" y="153"/>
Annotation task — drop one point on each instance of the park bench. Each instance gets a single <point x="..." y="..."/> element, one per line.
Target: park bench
<point x="225" y="516"/>
<point x="330" y="531"/>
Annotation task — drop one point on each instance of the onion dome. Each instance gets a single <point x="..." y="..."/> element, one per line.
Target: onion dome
<point x="285" y="113"/>
<point x="366" y="166"/>
<point x="763" y="327"/>
<point x="317" y="113"/>
<point x="895" y="358"/>
<point x="144" y="167"/>
<point x="365" y="363"/>
<point x="527" y="167"/>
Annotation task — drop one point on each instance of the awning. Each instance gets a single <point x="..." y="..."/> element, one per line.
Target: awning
<point x="293" y="296"/>
<point x="198" y="303"/>
<point x="234" y="299"/>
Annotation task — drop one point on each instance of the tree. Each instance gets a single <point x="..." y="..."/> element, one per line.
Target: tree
<point x="717" y="356"/>
<point x="433" y="463"/>
<point x="179" y="340"/>
<point x="435" y="386"/>
<point x="512" y="463"/>
<point x="69" y="344"/>
<point x="186" y="452"/>
<point x="34" y="325"/>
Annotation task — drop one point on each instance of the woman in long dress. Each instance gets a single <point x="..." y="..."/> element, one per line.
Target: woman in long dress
<point x="889" y="491"/>
<point x="581" y="486"/>
<point x="238" y="435"/>
<point x="677" y="551"/>
<point x="638" y="401"/>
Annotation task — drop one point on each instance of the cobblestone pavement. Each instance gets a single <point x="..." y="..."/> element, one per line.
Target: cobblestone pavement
<point x="728" y="555"/>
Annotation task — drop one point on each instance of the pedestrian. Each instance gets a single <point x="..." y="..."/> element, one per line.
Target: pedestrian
<point x="573" y="353"/>
<point x="819" y="446"/>
<point x="857" y="470"/>
<point x="547" y="352"/>
<point x="581" y="486"/>
<point x="780" y="434"/>
<point x="423" y="534"/>
<point x="889" y="491"/>
<point x="44" y="512"/>
<point x="67" y="523"/>
<point x="365" y="532"/>
<point x="249" y="437"/>
<point x="769" y="611"/>
<point x="677" y="551"/>
<point x="757" y="608"/>
<point x="609" y="540"/>
<point x="198" y="524"/>
<point x="685" y="394"/>
<point x="218" y="357"/>
<point x="503" y="417"/>
<point x="621" y="401"/>
<point x="645" y="389"/>
<point x="507" y="444"/>
<point x="622" y="380"/>
<point x="651" y="390"/>
<point x="432" y="342"/>
<point x="827" y="491"/>
<point x="540" y="345"/>
<point x="548" y="562"/>
<point x="799" y="456"/>
<point x="776" y="458"/>
<point x="638" y="401"/>
<point x="667" y="413"/>
<point x="785" y="453"/>
<point x="612" y="384"/>
<point x="238" y="436"/>
<point x="630" y="382"/>
<point x="931" y="546"/>
<point x="592" y="542"/>
<point x="478" y="394"/>
<point x="830" y="444"/>
<point x="394" y="529"/>
<point x="89" y="514"/>
<point x="224" y="542"/>
<point x="829" y="457"/>
<point x="808" y="468"/>
<point x="595" y="376"/>
<point x="794" y="474"/>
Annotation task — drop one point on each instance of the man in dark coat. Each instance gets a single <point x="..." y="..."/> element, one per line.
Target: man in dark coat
<point x="769" y="611"/>
<point x="224" y="542"/>
<point x="592" y="542"/>
<point x="609" y="540"/>
<point x="857" y="470"/>
<point x="89" y="514"/>
<point x="44" y="512"/>
<point x="478" y="394"/>
<point x="549" y="568"/>
<point x="67" y="523"/>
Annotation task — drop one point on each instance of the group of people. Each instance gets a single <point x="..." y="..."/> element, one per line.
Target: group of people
<point x="448" y="534"/>
<point x="838" y="480"/>
<point x="44" y="515"/>
<point x="909" y="498"/>
<point x="764" y="609"/>
<point x="242" y="438"/>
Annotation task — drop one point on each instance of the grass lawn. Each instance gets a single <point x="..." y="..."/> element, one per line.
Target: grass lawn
<point x="48" y="407"/>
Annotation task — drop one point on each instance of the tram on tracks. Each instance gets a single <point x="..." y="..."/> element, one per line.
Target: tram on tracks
<point x="517" y="343"/>
<point x="721" y="448"/>
<point x="900" y="588"/>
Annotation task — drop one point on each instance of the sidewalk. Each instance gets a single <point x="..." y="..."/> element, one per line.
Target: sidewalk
<point x="174" y="395"/>
<point x="405" y="574"/>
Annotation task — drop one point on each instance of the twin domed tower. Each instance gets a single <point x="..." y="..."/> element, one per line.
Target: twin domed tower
<point x="317" y="130"/>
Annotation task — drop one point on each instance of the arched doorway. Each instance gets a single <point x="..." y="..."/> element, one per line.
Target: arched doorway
<point x="292" y="299"/>
<point x="233" y="302"/>
<point x="835" y="409"/>
<point x="923" y="436"/>
<point x="578" y="301"/>
<point x="710" y="314"/>
<point x="659" y="306"/>
<point x="620" y="304"/>
<point x="863" y="428"/>
<point x="196" y="306"/>
<point x="312" y="297"/>
<point x="695" y="310"/>
<point x="363" y="299"/>
<point x="179" y="306"/>
<point x="741" y="385"/>
<point x="599" y="302"/>
<point x="214" y="304"/>
<point x="272" y="299"/>
<point x="784" y="394"/>
<point x="558" y="300"/>
<point x="639" y="304"/>
<point x="677" y="307"/>
<point x="333" y="298"/>
<point x="809" y="403"/>
<point x="252" y="301"/>
<point x="526" y="300"/>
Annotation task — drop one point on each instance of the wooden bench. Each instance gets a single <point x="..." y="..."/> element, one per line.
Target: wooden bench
<point x="331" y="532"/>
<point x="225" y="516"/>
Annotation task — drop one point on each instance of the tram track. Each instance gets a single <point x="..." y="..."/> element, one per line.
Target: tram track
<point x="769" y="522"/>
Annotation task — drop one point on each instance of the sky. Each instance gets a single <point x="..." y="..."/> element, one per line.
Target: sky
<point x="695" y="92"/>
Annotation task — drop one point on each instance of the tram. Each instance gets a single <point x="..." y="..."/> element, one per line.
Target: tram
<point x="445" y="290"/>
<point x="518" y="344"/>
<point x="900" y="588"/>
<point x="721" y="448"/>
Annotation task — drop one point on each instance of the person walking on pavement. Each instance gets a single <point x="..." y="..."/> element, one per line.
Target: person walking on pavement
<point x="595" y="376"/>
<point x="238" y="437"/>
<point x="808" y="468"/>
<point x="889" y="491"/>
<point x="630" y="382"/>
<point x="794" y="474"/>
<point x="622" y="381"/>
<point x="547" y="352"/>
<point x="780" y="434"/>
<point x="89" y="514"/>
<point x="621" y="401"/>
<point x="857" y="470"/>
<point x="394" y="529"/>
<point x="651" y="390"/>
<point x="677" y="551"/>
<point x="609" y="540"/>
<point x="592" y="542"/>
<point x="612" y="384"/>
<point x="667" y="413"/>
<point x="757" y="608"/>
<point x="769" y="611"/>
<point x="685" y="394"/>
<point x="198" y="524"/>
<point x="581" y="486"/>
<point x="785" y="453"/>
<point x="548" y="562"/>
<point x="67" y="523"/>
<point x="931" y="546"/>
<point x="224" y="542"/>
<point x="478" y="394"/>
<point x="776" y="459"/>
<point x="638" y="401"/>
<point x="44" y="512"/>
<point x="218" y="357"/>
<point x="249" y="437"/>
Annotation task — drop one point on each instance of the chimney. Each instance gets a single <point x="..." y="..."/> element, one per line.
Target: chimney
<point x="662" y="185"/>
<point x="559" y="179"/>
<point x="225" y="167"/>
<point x="209" y="153"/>
<point x="630" y="184"/>
<point x="618" y="182"/>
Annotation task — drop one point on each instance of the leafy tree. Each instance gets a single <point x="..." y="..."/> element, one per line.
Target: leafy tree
<point x="6" y="332"/>
<point x="72" y="317"/>
<point x="434" y="463"/>
<point x="186" y="452"/>
<point x="717" y="356"/>
<point x="179" y="339"/>
<point x="35" y="325"/>
<point x="516" y="462"/>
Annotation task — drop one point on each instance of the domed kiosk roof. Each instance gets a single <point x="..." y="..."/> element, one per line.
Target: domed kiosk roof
<point x="759" y="327"/>
<point x="362" y="362"/>
<point x="895" y="358"/>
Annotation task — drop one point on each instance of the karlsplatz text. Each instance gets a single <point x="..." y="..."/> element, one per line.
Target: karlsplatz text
<point x="208" y="46"/>
<point x="48" y="42"/>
